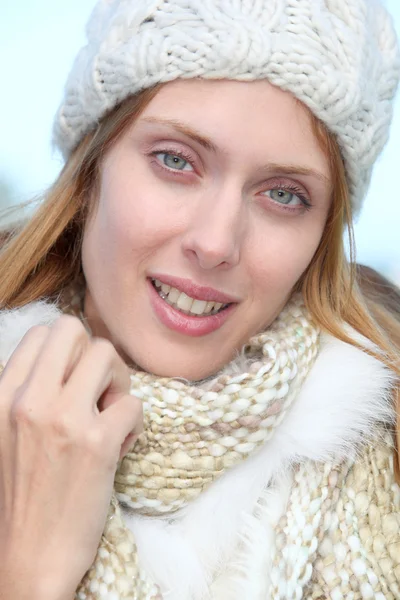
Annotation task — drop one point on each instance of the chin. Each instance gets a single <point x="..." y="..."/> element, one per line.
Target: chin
<point x="184" y="369"/>
<point x="184" y="372"/>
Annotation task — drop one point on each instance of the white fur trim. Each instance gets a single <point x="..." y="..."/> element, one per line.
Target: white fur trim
<point x="14" y="324"/>
<point x="232" y="523"/>
<point x="345" y="396"/>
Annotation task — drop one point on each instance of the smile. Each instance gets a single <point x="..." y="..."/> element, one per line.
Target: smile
<point x="186" y="304"/>
<point x="187" y="314"/>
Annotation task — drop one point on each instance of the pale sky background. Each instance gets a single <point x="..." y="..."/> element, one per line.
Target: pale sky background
<point x="38" y="41"/>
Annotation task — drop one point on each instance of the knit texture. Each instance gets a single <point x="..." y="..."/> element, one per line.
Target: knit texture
<point x="339" y="57"/>
<point x="339" y="539"/>
<point x="335" y="527"/>
<point x="194" y="434"/>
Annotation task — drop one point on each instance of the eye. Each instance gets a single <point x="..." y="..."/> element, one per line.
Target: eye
<point x="174" y="161"/>
<point x="285" y="197"/>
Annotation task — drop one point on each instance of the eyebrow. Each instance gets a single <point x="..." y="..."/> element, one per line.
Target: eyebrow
<point x="282" y="169"/>
<point x="185" y="130"/>
<point x="205" y="142"/>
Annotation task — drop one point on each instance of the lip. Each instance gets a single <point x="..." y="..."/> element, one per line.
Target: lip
<point x="196" y="291"/>
<point x="186" y="324"/>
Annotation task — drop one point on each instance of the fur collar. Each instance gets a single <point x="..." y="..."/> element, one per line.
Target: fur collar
<point x="339" y="407"/>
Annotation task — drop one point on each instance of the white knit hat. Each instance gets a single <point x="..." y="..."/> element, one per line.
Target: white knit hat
<point x="339" y="57"/>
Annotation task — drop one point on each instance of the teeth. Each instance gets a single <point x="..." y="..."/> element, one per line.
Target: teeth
<point x="173" y="295"/>
<point x="184" y="302"/>
<point x="198" y="307"/>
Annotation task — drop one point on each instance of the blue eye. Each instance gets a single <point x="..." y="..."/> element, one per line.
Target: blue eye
<point x="174" y="161"/>
<point x="285" y="197"/>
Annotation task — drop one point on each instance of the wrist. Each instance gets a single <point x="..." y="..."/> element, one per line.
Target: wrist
<point x="50" y="587"/>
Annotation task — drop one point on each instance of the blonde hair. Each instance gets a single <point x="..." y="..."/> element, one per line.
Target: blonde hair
<point x="43" y="257"/>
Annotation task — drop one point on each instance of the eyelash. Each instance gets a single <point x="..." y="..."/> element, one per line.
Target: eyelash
<point x="173" y="152"/>
<point x="292" y="189"/>
<point x="284" y="186"/>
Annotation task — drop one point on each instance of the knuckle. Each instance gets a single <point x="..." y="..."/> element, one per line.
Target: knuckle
<point x="62" y="427"/>
<point x="104" y="348"/>
<point x="72" y="325"/>
<point x="94" y="441"/>
<point x="22" y="414"/>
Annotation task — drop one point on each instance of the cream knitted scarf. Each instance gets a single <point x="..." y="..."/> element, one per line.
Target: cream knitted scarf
<point x="226" y="504"/>
<point x="192" y="435"/>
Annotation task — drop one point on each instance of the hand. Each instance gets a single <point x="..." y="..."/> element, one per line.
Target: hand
<point x="66" y="418"/>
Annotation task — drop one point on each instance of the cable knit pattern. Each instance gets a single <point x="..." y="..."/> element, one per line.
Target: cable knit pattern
<point x="339" y="57"/>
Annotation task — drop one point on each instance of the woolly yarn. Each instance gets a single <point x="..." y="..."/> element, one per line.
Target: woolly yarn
<point x="337" y="527"/>
<point x="330" y="537"/>
<point x="338" y="538"/>
<point x="194" y="432"/>
<point x="345" y="518"/>
<point x="192" y="435"/>
<point x="339" y="57"/>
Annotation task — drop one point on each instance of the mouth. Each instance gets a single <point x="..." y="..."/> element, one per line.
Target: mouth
<point x="187" y="305"/>
<point x="189" y="315"/>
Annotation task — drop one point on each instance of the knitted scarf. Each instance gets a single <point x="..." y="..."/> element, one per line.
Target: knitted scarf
<point x="251" y="484"/>
<point x="192" y="435"/>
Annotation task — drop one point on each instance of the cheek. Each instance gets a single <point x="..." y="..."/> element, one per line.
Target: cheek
<point x="125" y="223"/>
<point x="104" y="236"/>
<point x="280" y="258"/>
<point x="136" y="209"/>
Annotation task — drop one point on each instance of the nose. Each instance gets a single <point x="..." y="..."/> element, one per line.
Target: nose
<point x="214" y="236"/>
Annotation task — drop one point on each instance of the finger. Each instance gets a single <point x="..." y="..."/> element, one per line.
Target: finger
<point x="128" y="444"/>
<point x="20" y="365"/>
<point x="124" y="418"/>
<point x="100" y="371"/>
<point x="66" y="343"/>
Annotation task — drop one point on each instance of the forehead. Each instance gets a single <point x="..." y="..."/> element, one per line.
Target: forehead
<point x="255" y="120"/>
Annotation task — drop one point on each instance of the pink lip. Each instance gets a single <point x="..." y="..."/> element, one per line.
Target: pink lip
<point x="186" y="324"/>
<point x="198" y="292"/>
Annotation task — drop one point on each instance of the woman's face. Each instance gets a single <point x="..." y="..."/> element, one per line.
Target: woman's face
<point x="211" y="207"/>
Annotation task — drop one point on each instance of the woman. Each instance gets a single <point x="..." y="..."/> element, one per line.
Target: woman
<point x="214" y="154"/>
